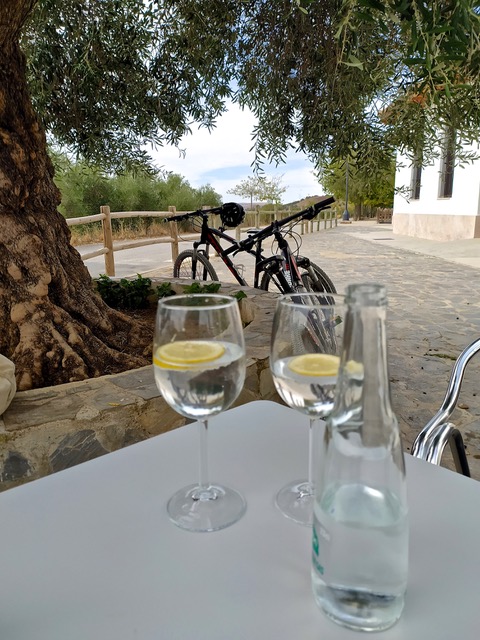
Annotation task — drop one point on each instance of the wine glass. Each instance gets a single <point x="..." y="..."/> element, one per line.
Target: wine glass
<point x="304" y="361"/>
<point x="199" y="366"/>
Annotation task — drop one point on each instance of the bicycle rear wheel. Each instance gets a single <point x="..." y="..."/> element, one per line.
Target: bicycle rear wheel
<point x="269" y="283"/>
<point x="313" y="280"/>
<point x="318" y="280"/>
<point x="183" y="267"/>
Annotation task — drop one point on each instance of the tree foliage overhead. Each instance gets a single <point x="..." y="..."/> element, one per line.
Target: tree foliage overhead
<point x="436" y="80"/>
<point x="109" y="76"/>
<point x="326" y="76"/>
<point x="361" y="189"/>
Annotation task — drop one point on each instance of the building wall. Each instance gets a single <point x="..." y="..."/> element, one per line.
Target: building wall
<point x="431" y="216"/>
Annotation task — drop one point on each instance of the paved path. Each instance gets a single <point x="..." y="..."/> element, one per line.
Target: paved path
<point x="434" y="312"/>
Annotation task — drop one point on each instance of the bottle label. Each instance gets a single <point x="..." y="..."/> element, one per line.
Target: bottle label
<point x="319" y="532"/>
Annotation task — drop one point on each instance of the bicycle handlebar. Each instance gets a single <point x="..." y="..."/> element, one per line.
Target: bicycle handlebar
<point x="306" y="214"/>
<point x="231" y="208"/>
<point x="225" y="209"/>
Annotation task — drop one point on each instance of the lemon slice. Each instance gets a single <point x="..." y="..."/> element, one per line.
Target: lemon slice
<point x="315" y="364"/>
<point x="354" y="368"/>
<point x="184" y="353"/>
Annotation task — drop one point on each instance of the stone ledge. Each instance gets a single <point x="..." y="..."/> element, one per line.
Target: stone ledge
<point x="50" y="429"/>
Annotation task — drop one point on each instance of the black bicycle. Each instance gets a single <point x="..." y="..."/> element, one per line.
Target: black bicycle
<point x="286" y="270"/>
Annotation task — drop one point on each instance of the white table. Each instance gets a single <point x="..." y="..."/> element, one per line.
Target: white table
<point x="89" y="554"/>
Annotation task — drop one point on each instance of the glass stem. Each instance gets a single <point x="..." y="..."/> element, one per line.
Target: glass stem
<point x="311" y="449"/>
<point x="203" y="482"/>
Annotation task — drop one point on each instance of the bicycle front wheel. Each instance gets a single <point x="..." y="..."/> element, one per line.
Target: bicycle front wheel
<point x="315" y="279"/>
<point x="184" y="267"/>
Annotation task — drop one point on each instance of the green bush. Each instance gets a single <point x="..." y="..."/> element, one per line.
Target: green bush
<point x="125" y="294"/>
<point x="86" y="188"/>
<point x="138" y="294"/>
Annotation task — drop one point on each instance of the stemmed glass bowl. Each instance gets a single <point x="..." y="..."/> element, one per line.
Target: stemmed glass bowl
<point x="304" y="360"/>
<point x="199" y="367"/>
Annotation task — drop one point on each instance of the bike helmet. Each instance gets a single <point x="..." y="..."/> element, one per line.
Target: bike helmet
<point x="232" y="214"/>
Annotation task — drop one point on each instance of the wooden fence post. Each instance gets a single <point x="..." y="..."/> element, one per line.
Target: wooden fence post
<point x="108" y="241"/>
<point x="276" y="212"/>
<point x="173" y="234"/>
<point x="257" y="218"/>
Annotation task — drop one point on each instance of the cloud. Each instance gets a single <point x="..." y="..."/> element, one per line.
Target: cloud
<point x="223" y="157"/>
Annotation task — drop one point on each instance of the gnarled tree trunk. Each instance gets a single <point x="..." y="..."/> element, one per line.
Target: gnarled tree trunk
<point x="53" y="325"/>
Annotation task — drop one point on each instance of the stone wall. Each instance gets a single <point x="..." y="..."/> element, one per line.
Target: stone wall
<point x="50" y="429"/>
<point x="443" y="228"/>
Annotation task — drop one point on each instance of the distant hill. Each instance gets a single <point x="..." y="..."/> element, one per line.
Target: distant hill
<point x="303" y="203"/>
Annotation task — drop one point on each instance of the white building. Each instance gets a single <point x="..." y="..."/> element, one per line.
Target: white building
<point x="440" y="201"/>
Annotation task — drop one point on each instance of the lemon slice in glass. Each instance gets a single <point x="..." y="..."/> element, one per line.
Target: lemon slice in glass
<point x="354" y="368"/>
<point x="315" y="364"/>
<point x="185" y="353"/>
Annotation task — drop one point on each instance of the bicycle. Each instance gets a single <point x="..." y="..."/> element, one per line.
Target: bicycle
<point x="286" y="270"/>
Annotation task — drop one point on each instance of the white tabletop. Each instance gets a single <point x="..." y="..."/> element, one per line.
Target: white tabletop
<point x="89" y="553"/>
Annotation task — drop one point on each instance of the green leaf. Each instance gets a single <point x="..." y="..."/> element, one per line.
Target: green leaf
<point x="413" y="61"/>
<point x="165" y="290"/>
<point x="239" y="295"/>
<point x="196" y="287"/>
<point x="373" y="4"/>
<point x="353" y="61"/>
<point x="366" y="17"/>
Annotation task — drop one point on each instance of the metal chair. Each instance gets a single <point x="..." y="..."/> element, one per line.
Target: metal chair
<point x="430" y="443"/>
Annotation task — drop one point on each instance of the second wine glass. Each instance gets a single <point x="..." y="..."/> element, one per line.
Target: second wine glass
<point x="304" y="361"/>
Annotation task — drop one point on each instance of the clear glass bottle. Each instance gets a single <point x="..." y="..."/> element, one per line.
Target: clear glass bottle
<point x="360" y="530"/>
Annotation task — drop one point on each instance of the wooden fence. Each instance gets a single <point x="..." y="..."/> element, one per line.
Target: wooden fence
<point x="109" y="248"/>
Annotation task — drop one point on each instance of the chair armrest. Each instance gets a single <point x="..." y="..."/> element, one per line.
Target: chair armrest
<point x="430" y="445"/>
<point x="432" y="439"/>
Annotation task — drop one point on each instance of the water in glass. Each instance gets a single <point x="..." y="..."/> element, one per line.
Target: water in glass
<point x="204" y="389"/>
<point x="313" y="395"/>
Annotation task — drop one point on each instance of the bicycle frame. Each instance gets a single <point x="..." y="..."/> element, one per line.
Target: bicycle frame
<point x="281" y="266"/>
<point x="287" y="278"/>
<point x="208" y="237"/>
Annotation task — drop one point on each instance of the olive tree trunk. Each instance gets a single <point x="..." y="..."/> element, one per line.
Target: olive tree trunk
<point x="54" y="326"/>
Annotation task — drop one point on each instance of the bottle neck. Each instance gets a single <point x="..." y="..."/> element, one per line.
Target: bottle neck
<point x="363" y="394"/>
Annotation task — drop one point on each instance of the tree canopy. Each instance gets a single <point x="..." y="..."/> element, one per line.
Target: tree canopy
<point x="326" y="76"/>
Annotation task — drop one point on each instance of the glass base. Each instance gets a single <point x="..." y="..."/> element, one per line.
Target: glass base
<point x="359" y="609"/>
<point x="295" y="501"/>
<point x="205" y="509"/>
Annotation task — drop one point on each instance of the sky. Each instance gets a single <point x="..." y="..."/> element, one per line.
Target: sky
<point x="223" y="158"/>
